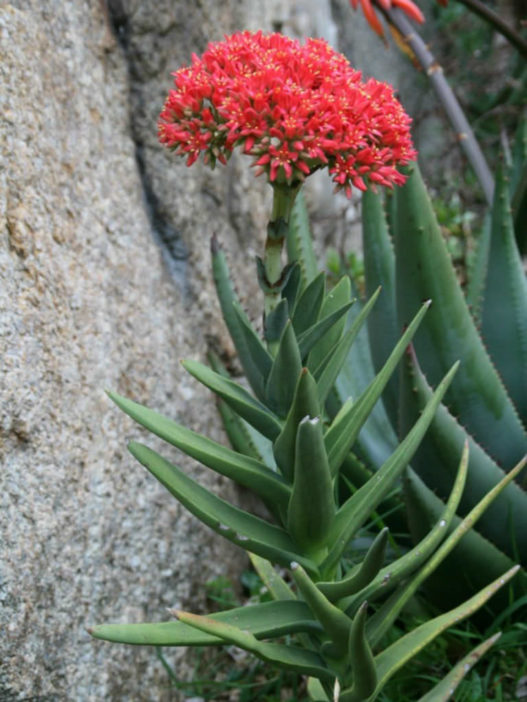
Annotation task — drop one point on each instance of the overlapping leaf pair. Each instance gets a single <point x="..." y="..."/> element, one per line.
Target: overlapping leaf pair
<point x="292" y="441"/>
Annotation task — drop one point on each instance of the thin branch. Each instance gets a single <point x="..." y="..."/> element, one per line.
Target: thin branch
<point x="444" y="92"/>
<point x="478" y="8"/>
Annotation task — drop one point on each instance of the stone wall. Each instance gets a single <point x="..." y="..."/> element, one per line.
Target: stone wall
<point x="104" y="283"/>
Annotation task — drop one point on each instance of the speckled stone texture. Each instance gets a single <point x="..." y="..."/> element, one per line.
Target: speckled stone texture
<point x="104" y="283"/>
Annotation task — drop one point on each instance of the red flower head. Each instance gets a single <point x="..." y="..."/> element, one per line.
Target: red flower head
<point x="293" y="107"/>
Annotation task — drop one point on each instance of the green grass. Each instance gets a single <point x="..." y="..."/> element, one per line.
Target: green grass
<point x="495" y="677"/>
<point x="220" y="677"/>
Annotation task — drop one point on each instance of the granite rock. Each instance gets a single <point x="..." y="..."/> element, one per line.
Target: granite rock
<point x="104" y="269"/>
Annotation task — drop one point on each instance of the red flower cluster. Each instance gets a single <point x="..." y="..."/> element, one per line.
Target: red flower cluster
<point x="293" y="107"/>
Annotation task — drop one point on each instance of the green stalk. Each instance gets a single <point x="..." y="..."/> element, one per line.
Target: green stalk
<point x="283" y="200"/>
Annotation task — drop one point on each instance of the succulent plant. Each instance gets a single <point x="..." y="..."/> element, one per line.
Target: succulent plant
<point x="310" y="413"/>
<point x="485" y="327"/>
<point x="325" y="621"/>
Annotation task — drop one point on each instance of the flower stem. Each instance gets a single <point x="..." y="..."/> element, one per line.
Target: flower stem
<point x="283" y="201"/>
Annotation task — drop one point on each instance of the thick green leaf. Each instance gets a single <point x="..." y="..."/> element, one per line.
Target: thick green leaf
<point x="316" y="691"/>
<point x="235" y="319"/>
<point x="278" y="588"/>
<point x="477" y="271"/>
<point x="291" y="290"/>
<point x="265" y="621"/>
<point x="290" y="657"/>
<point x="504" y="312"/>
<point x="505" y="522"/>
<point x="519" y="211"/>
<point x="275" y="321"/>
<point x="334" y="622"/>
<point x="359" y="506"/>
<point x="281" y="383"/>
<point x="299" y="241"/>
<point x="305" y="403"/>
<point x="518" y="185"/>
<point x="242" y="469"/>
<point x="244" y="529"/>
<point x="379" y="268"/>
<point x="390" y="209"/>
<point x="274" y="582"/>
<point x="444" y="689"/>
<point x="326" y="373"/>
<point x="346" y="426"/>
<point x="390" y="610"/>
<point x="474" y="559"/>
<point x="311" y="509"/>
<point x="244" y="438"/>
<point x="354" y="473"/>
<point x="399" y="653"/>
<point x="322" y="330"/>
<point x="361" y="575"/>
<point x="395" y="572"/>
<point x="519" y="155"/>
<point x="335" y="300"/>
<point x="236" y="397"/>
<point x="307" y="309"/>
<point x="377" y="439"/>
<point x="261" y="358"/>
<point x="424" y="271"/>
<point x="363" y="664"/>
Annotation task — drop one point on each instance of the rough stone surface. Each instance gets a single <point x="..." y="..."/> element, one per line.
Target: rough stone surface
<point x="87" y="303"/>
<point x="104" y="271"/>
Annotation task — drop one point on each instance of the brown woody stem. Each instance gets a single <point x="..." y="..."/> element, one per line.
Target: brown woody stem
<point x="444" y="92"/>
<point x="478" y="8"/>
